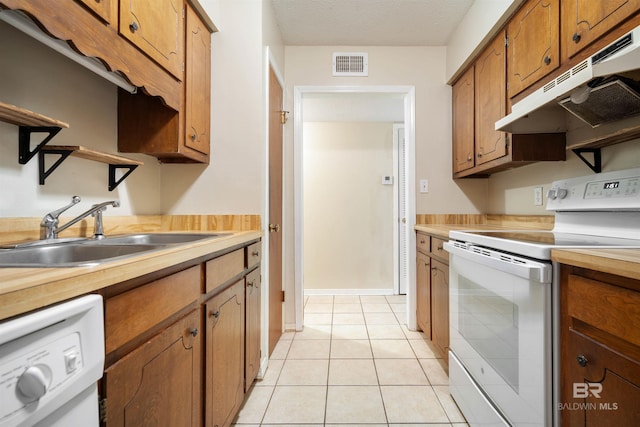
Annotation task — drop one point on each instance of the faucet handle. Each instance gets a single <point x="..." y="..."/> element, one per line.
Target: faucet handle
<point x="53" y="215"/>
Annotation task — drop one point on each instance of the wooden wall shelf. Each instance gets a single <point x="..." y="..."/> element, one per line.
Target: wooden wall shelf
<point x="64" y="151"/>
<point x="28" y="123"/>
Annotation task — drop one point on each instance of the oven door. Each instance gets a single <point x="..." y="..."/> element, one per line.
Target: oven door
<point x="500" y="331"/>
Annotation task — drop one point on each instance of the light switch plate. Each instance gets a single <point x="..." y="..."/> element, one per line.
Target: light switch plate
<point x="537" y="196"/>
<point x="424" y="185"/>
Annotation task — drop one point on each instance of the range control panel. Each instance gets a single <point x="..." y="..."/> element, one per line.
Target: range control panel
<point x="610" y="191"/>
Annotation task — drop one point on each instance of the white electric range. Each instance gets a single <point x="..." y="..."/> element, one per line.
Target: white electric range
<point x="503" y="360"/>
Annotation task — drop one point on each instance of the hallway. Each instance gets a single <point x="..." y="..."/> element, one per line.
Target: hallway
<point x="355" y="363"/>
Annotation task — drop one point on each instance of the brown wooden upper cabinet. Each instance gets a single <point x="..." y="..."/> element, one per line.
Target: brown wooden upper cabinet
<point x="584" y="21"/>
<point x="105" y="9"/>
<point x="533" y="44"/>
<point x="490" y="101"/>
<point x="157" y="28"/>
<point x="197" y="84"/>
<point x="463" y="122"/>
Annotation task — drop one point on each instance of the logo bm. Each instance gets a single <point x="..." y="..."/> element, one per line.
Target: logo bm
<point x="584" y="390"/>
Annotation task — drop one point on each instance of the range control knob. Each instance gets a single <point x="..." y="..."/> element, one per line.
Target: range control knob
<point x="561" y="193"/>
<point x="552" y="194"/>
<point x="34" y="381"/>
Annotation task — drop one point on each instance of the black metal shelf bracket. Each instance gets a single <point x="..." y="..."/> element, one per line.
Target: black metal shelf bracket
<point x="24" y="140"/>
<point x="596" y="163"/>
<point x="44" y="173"/>
<point x="113" y="182"/>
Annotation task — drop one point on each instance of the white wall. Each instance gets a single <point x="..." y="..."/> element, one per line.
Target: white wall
<point x="348" y="212"/>
<point x="35" y="77"/>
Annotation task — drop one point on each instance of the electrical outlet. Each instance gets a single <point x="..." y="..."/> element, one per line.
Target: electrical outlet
<point x="537" y="196"/>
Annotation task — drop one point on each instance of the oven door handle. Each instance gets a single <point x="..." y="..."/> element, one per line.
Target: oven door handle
<point x="521" y="267"/>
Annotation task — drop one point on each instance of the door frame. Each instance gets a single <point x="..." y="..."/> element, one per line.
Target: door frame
<point x="409" y="121"/>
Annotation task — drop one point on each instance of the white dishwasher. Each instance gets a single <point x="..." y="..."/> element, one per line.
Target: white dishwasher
<point x="50" y="362"/>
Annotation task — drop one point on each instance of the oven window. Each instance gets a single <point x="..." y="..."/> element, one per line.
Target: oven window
<point x="489" y="323"/>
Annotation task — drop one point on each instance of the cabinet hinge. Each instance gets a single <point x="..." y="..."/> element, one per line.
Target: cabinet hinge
<point x="506" y="141"/>
<point x="282" y="296"/>
<point x="506" y="41"/>
<point x="102" y="410"/>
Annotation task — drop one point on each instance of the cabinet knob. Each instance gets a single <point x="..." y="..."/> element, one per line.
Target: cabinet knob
<point x="439" y="248"/>
<point x="576" y="37"/>
<point x="468" y="158"/>
<point x="422" y="242"/>
<point x="479" y="154"/>
<point x="133" y="27"/>
<point x="255" y="253"/>
<point x="582" y="360"/>
<point x="193" y="136"/>
<point x="547" y="60"/>
<point x="193" y="332"/>
<point x="215" y="314"/>
<point x="251" y="283"/>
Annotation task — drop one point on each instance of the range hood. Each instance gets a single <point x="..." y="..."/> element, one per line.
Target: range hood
<point x="23" y="23"/>
<point x="599" y="90"/>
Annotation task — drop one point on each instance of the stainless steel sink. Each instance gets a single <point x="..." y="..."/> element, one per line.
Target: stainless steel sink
<point x="158" y="238"/>
<point x="89" y="252"/>
<point x="69" y="255"/>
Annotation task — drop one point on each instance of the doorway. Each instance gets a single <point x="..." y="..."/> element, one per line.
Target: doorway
<point x="403" y="270"/>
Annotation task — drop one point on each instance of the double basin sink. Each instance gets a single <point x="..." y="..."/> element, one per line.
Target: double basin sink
<point x="91" y="252"/>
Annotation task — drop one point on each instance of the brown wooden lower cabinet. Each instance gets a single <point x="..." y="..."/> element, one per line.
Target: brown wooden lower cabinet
<point x="183" y="340"/>
<point x="432" y="291"/>
<point x="224" y="355"/>
<point x="600" y="349"/>
<point x="252" y="327"/>
<point x="159" y="383"/>
<point x="423" y="293"/>
<point x="440" y="306"/>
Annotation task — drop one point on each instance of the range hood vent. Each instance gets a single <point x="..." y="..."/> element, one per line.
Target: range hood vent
<point x="600" y="90"/>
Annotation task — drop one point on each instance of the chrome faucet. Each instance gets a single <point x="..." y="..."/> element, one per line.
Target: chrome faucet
<point x="49" y="226"/>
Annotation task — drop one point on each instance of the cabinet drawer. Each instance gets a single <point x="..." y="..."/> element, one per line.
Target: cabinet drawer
<point x="610" y="308"/>
<point x="224" y="268"/>
<point x="134" y="312"/>
<point x="423" y="243"/>
<point x="254" y="254"/>
<point x="438" y="251"/>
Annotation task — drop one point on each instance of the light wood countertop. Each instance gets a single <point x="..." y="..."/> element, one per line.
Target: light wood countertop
<point x="26" y="289"/>
<point x="621" y="262"/>
<point x="441" y="231"/>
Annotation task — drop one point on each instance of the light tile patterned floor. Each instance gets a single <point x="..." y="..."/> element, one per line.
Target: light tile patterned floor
<point x="355" y="363"/>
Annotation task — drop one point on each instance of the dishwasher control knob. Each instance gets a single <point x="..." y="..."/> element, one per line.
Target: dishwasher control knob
<point x="34" y="381"/>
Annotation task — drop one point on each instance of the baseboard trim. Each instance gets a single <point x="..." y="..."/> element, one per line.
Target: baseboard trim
<point x="308" y="292"/>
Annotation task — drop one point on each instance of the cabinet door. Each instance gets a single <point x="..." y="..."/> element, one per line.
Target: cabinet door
<point x="534" y="45"/>
<point x="423" y="293"/>
<point x="490" y="101"/>
<point x="440" y="305"/>
<point x="602" y="382"/>
<point x="584" y="21"/>
<point x="252" y="327"/>
<point x="197" y="84"/>
<point x="224" y="356"/>
<point x="157" y="28"/>
<point x="159" y="383"/>
<point x="463" y="122"/>
<point x="105" y="9"/>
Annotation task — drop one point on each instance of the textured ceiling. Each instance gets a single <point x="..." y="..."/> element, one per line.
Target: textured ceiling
<point x="368" y="22"/>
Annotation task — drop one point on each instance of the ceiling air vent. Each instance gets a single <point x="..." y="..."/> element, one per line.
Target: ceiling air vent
<point x="350" y="64"/>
